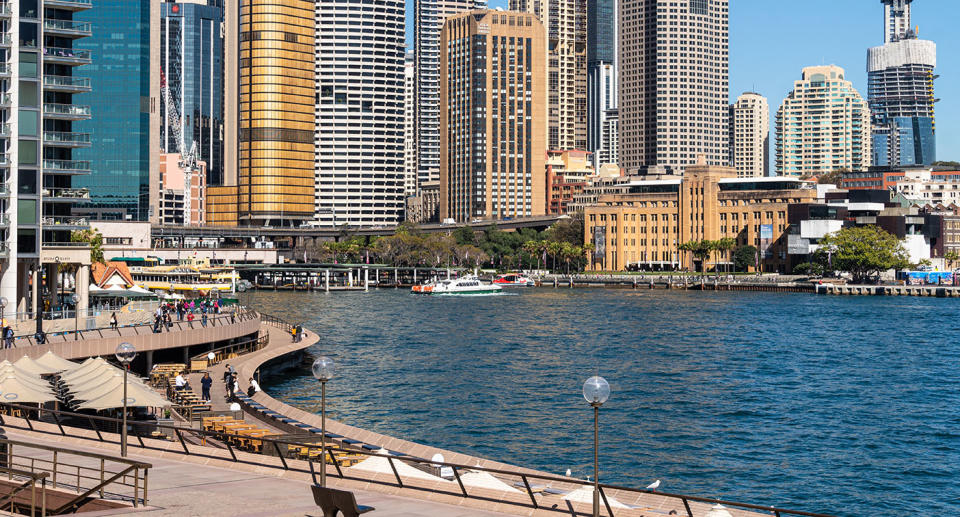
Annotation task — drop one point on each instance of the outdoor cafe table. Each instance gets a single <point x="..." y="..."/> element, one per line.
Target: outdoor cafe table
<point x="247" y="436"/>
<point x="208" y="422"/>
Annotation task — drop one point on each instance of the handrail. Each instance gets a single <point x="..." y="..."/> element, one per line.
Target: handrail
<point x="259" y="343"/>
<point x="522" y="474"/>
<point x="275" y="321"/>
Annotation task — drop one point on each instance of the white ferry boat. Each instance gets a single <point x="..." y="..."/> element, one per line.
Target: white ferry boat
<point x="465" y="285"/>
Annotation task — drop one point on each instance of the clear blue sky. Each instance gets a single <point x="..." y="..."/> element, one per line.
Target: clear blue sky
<point x="772" y="40"/>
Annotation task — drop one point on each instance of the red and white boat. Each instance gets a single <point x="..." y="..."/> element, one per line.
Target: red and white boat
<point x="513" y="280"/>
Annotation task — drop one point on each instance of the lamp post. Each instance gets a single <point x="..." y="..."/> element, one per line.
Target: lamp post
<point x="323" y="369"/>
<point x="210" y="357"/>
<point x="75" y="298"/>
<point x="125" y="354"/>
<point x="3" y="305"/>
<point x="596" y="390"/>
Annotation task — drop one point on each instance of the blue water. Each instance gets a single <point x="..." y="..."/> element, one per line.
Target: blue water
<point x="843" y="405"/>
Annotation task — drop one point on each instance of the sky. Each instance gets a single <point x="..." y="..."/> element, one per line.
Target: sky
<point x="772" y="40"/>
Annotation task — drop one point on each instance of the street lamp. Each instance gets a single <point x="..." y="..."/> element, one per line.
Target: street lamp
<point x="596" y="390"/>
<point x="75" y="298"/>
<point x="210" y="357"/>
<point x="323" y="369"/>
<point x="125" y="354"/>
<point x="3" y="305"/>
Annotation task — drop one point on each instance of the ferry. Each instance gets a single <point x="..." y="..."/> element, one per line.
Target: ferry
<point x="191" y="278"/>
<point x="465" y="285"/>
<point x="514" y="280"/>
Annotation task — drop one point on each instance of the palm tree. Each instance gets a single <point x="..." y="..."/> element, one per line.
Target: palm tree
<point x="532" y="248"/>
<point x="554" y="249"/>
<point x="725" y="245"/>
<point x="951" y="257"/>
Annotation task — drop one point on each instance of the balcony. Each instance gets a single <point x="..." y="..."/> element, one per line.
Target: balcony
<point x="65" y="223"/>
<point x="4" y="221"/>
<point x="5" y="100"/>
<point x="66" y="139"/>
<point x="67" y="28"/>
<point x="69" y="5"/>
<point x="4" y="160"/>
<point x="66" y="111"/>
<point x="5" y="130"/>
<point x="66" y="56"/>
<point x="66" y="167"/>
<point x="6" y="40"/>
<point x="5" y="190"/>
<point x="66" y="195"/>
<point x="4" y="250"/>
<point x="66" y="83"/>
<point x="5" y="10"/>
<point x="5" y="70"/>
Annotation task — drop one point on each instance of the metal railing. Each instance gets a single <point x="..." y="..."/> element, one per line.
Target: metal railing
<point x="284" y="449"/>
<point x="111" y="476"/>
<point x="275" y="321"/>
<point x="65" y="221"/>
<point x="67" y="193"/>
<point x="31" y="483"/>
<point x="202" y="361"/>
<point x="66" y="165"/>
<point x="66" y="80"/>
<point x="73" y="110"/>
<point x="66" y="137"/>
<point x="68" y="53"/>
<point x="67" y="25"/>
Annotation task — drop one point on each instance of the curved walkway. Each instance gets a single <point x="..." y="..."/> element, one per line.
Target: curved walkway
<point x="513" y="503"/>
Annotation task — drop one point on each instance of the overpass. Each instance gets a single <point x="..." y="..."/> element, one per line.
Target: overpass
<point x="261" y="233"/>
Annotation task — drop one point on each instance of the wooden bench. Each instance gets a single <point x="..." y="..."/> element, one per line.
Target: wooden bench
<point x="331" y="501"/>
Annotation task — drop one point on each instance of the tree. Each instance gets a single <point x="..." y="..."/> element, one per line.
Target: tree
<point x="865" y="251"/>
<point x="808" y="268"/>
<point x="725" y="245"/>
<point x="951" y="257"/>
<point x="94" y="239"/>
<point x="744" y="257"/>
<point x="951" y="164"/>
<point x="701" y="251"/>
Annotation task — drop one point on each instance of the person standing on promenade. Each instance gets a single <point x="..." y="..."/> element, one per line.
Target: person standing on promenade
<point x="179" y="382"/>
<point x="205" y="384"/>
<point x="113" y="321"/>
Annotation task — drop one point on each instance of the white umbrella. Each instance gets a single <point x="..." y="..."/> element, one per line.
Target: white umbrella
<point x="90" y="365"/>
<point x="382" y="465"/>
<point x="482" y="479"/>
<point x="14" y="390"/>
<point x="104" y="385"/>
<point x="584" y="494"/>
<point x="90" y="378"/>
<point x="55" y="363"/>
<point x="137" y="396"/>
<point x="33" y="382"/>
<point x="29" y="365"/>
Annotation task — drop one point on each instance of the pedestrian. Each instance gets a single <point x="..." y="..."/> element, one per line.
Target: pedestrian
<point x="189" y="317"/>
<point x="205" y="384"/>
<point x="179" y="382"/>
<point x="226" y="373"/>
<point x="156" y="324"/>
<point x="113" y="321"/>
<point x="167" y="320"/>
<point x="8" y="337"/>
<point x="231" y="387"/>
<point x="293" y="334"/>
<point x="203" y="319"/>
<point x="233" y="314"/>
<point x="255" y="385"/>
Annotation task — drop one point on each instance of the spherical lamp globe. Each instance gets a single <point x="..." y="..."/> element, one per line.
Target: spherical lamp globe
<point x="3" y="301"/>
<point x="323" y="368"/>
<point x="596" y="390"/>
<point x="125" y="353"/>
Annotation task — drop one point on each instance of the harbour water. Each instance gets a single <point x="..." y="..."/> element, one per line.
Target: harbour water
<point x="842" y="405"/>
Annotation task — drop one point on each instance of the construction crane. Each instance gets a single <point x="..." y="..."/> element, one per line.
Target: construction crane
<point x="188" y="157"/>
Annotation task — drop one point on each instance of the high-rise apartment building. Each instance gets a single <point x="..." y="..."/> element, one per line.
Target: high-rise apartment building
<point x="359" y="112"/>
<point x="900" y="91"/>
<point x="566" y="25"/>
<point x="125" y="74"/>
<point x="602" y="73"/>
<point x="823" y="125"/>
<point x="750" y="135"/>
<point x="674" y="83"/>
<point x="39" y="78"/>
<point x="609" y="152"/>
<point x="493" y="81"/>
<point x="428" y="18"/>
<point x="409" y="126"/>
<point x="192" y="64"/>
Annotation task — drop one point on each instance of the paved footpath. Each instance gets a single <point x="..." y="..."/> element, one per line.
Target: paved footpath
<point x="185" y="489"/>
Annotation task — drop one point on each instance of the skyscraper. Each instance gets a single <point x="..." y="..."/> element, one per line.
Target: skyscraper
<point x="674" y="83"/>
<point x="602" y="74"/>
<point x="493" y="82"/>
<point x="192" y="62"/>
<point x="750" y="135"/>
<point x="566" y="25"/>
<point x="125" y="74"/>
<point x="823" y="125"/>
<point x="900" y="92"/>
<point x="409" y="126"/>
<point x="359" y="112"/>
<point x="42" y="70"/>
<point x="428" y="17"/>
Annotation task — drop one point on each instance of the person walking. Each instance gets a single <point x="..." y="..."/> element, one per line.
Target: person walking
<point x="113" y="321"/>
<point x="226" y="373"/>
<point x="205" y="384"/>
<point x="8" y="337"/>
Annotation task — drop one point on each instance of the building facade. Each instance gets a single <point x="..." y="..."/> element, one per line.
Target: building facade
<point x="566" y="25"/>
<point x="359" y="113"/>
<point x="125" y="145"/>
<point x="674" y="83"/>
<point x="568" y="174"/>
<point x="409" y="126"/>
<point x="823" y="125"/>
<point x="750" y="136"/>
<point x="602" y="73"/>
<point x="428" y="18"/>
<point x="182" y="191"/>
<point x="900" y="92"/>
<point x="192" y="66"/>
<point x="643" y="227"/>
<point x="494" y="91"/>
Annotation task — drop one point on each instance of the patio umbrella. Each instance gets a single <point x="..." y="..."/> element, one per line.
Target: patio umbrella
<point x="137" y="396"/>
<point x="34" y="382"/>
<point x="27" y="364"/>
<point x="584" y="494"/>
<point x="54" y="363"/>
<point x="104" y="385"/>
<point x="382" y="465"/>
<point x="483" y="479"/>
<point x="88" y="366"/>
<point x="14" y="391"/>
<point x="93" y="379"/>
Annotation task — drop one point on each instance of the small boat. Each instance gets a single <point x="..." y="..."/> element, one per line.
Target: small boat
<point x="514" y="280"/>
<point x="465" y="285"/>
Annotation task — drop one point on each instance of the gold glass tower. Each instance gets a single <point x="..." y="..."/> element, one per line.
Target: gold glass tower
<point x="275" y="180"/>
